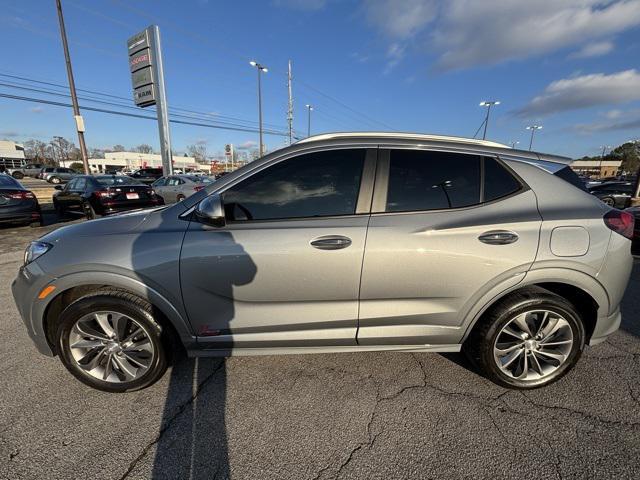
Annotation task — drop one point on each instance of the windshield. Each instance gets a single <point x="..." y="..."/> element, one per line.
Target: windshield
<point x="116" y="180"/>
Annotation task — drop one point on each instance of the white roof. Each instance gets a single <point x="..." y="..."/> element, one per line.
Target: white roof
<point x="401" y="136"/>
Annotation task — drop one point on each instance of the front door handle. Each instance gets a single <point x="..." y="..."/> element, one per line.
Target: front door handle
<point x="498" y="237"/>
<point x="331" y="242"/>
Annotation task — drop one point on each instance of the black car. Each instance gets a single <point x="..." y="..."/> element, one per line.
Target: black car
<point x="635" y="245"/>
<point x="17" y="204"/>
<point x="147" y="175"/>
<point x="103" y="194"/>
<point x="614" y="194"/>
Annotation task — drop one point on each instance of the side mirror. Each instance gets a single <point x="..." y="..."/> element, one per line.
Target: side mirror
<point x="210" y="211"/>
<point x="58" y="187"/>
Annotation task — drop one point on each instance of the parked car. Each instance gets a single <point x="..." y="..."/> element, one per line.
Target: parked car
<point x="29" y="170"/>
<point x="103" y="194"/>
<point x="470" y="246"/>
<point x="17" y="204"/>
<point x="614" y="194"/>
<point x="175" y="188"/>
<point x="44" y="171"/>
<point x="147" y="175"/>
<point x="58" y="175"/>
<point x="635" y="246"/>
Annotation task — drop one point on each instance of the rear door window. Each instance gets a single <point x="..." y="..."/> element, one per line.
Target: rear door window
<point x="427" y="180"/>
<point x="498" y="181"/>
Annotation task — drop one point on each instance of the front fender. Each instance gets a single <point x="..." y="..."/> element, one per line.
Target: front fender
<point x="109" y="279"/>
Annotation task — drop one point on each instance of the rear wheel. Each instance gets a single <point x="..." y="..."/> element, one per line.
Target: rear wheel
<point x="528" y="340"/>
<point x="55" y="180"/>
<point x="609" y="201"/>
<point x="179" y="197"/>
<point x="89" y="211"/>
<point x="111" y="341"/>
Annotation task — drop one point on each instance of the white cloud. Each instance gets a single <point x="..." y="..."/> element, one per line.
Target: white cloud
<point x="301" y="4"/>
<point x="467" y="33"/>
<point x="585" y="91"/>
<point x="594" y="49"/>
<point x="395" y="54"/>
<point x="248" y="145"/>
<point x="400" y="19"/>
<point x="628" y="120"/>
<point x="36" y="109"/>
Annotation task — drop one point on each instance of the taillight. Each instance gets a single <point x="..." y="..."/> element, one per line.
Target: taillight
<point x="103" y="193"/>
<point x="620" y="222"/>
<point x="197" y="188"/>
<point x="22" y="195"/>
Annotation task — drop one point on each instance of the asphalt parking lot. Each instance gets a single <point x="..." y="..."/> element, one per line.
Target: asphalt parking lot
<point x="369" y="415"/>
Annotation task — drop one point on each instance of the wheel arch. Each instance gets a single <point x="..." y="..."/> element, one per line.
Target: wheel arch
<point x="583" y="291"/>
<point x="70" y="291"/>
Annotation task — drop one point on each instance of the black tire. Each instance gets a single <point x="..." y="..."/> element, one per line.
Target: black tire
<point x="60" y="210"/>
<point x="127" y="304"/>
<point x="17" y="175"/>
<point x="89" y="211"/>
<point x="479" y="346"/>
<point x="55" y="180"/>
<point x="180" y="197"/>
<point x="609" y="201"/>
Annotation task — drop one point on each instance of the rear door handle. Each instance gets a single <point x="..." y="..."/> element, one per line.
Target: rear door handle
<point x="498" y="237"/>
<point x="331" y="242"/>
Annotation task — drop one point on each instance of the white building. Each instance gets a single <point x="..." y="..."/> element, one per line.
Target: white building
<point x="597" y="168"/>
<point x="11" y="154"/>
<point x="135" y="160"/>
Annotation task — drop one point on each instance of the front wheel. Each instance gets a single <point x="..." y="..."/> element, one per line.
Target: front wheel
<point x="609" y="201"/>
<point x="17" y="175"/>
<point x="528" y="340"/>
<point x="111" y="341"/>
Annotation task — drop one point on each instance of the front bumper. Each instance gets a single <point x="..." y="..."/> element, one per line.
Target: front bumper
<point x="25" y="289"/>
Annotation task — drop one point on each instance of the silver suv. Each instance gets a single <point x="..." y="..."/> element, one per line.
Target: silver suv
<point x="341" y="243"/>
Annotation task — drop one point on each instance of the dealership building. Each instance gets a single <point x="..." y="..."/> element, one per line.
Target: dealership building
<point x="11" y="154"/>
<point x="135" y="161"/>
<point x="597" y="168"/>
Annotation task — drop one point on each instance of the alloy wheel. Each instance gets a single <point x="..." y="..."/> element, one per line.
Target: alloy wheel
<point x="111" y="347"/>
<point x="533" y="345"/>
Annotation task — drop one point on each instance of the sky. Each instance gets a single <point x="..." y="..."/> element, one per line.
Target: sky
<point x="424" y="66"/>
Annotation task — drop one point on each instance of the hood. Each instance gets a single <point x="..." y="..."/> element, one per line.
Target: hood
<point x="111" y="225"/>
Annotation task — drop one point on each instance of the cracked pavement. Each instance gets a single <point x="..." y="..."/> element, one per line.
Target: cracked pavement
<point x="368" y="415"/>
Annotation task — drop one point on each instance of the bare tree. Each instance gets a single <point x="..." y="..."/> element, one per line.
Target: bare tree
<point x="35" y="150"/>
<point x="143" y="148"/>
<point x="96" y="153"/>
<point x="118" y="148"/>
<point x="198" y="151"/>
<point x="62" y="150"/>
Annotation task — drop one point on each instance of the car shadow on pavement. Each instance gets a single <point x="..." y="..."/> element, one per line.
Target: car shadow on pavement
<point x="193" y="438"/>
<point x="631" y="303"/>
<point x="182" y="268"/>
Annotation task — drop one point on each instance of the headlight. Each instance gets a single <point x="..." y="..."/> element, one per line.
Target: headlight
<point x="35" y="250"/>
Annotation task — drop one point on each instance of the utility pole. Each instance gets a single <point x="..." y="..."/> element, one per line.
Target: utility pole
<point x="488" y="104"/>
<point x="260" y="69"/>
<point x="72" y="89"/>
<point x="309" y="110"/>
<point x="533" y="129"/>
<point x="290" y="109"/>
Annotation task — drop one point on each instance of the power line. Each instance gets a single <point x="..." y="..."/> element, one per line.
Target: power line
<point x="118" y="97"/>
<point x="133" y="115"/>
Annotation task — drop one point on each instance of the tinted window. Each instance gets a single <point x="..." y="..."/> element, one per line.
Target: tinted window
<point x="80" y="185"/>
<point x="498" y="182"/>
<point x="312" y="185"/>
<point x="421" y="180"/>
<point x="160" y="182"/>
<point x="71" y="185"/>
<point x="116" y="180"/>
<point x="7" y="181"/>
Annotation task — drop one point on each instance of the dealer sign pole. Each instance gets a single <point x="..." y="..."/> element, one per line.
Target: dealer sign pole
<point x="147" y="78"/>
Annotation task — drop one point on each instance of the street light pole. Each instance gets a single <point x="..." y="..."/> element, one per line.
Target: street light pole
<point x="72" y="91"/>
<point x="260" y="69"/>
<point x="514" y="143"/>
<point x="533" y="129"/>
<point x="488" y="104"/>
<point x="309" y="110"/>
